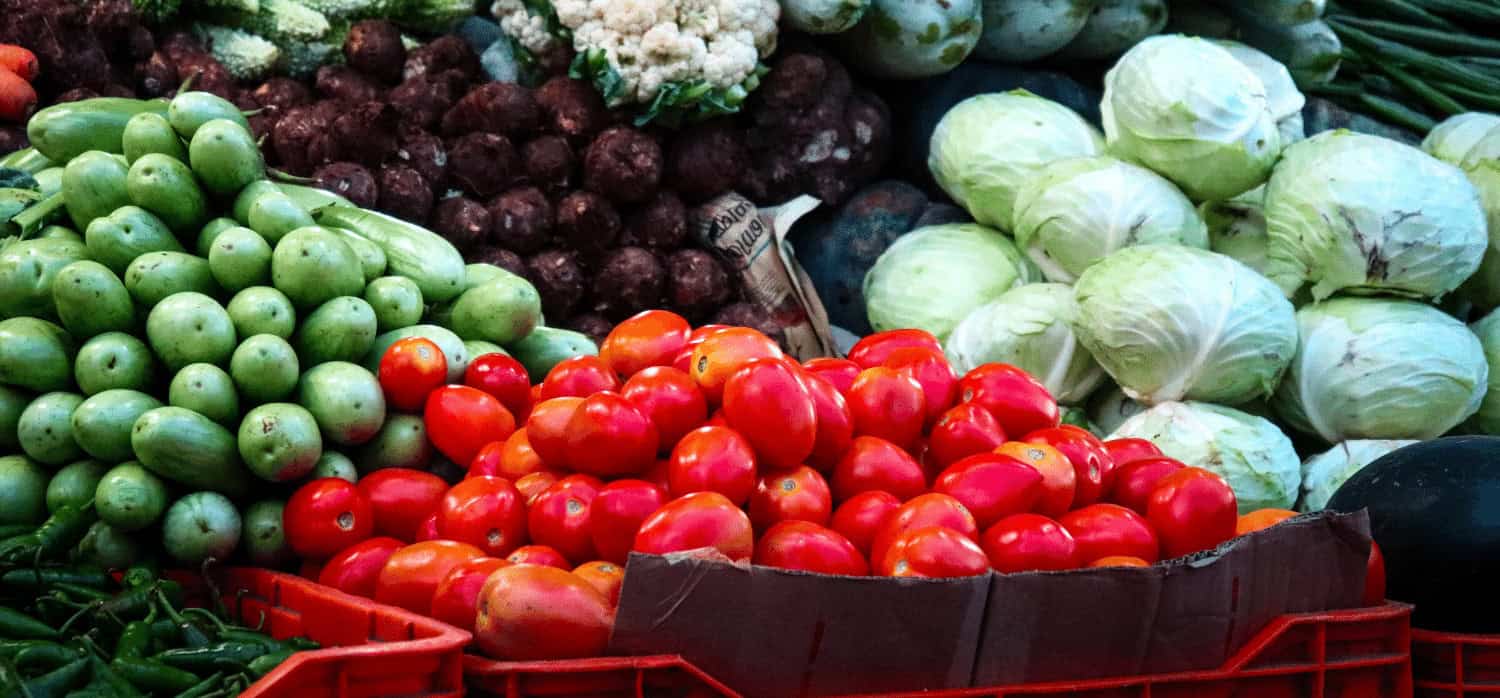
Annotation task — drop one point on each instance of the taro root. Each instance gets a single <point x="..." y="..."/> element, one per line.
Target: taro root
<point x="443" y="53"/>
<point x="500" y="257"/>
<point x="483" y="164"/>
<point x="424" y="153"/>
<point x="629" y="280"/>
<point x="365" y="133"/>
<point x="423" y="99"/>
<point x="572" y="109"/>
<point x="704" y="161"/>
<point x="157" y="75"/>
<point x="462" y="220"/>
<point x="281" y="94"/>
<point x="344" y="83"/>
<point x="623" y="164"/>
<point x="349" y="180"/>
<point x="117" y="90"/>
<point x="558" y="280"/>
<point x="67" y="48"/>
<point x="494" y="107"/>
<point x="660" y="223"/>
<point x="587" y="222"/>
<point x="207" y="73"/>
<point x="696" y="283"/>
<point x="405" y="193"/>
<point x="77" y="94"/>
<point x="374" y="47"/>
<point x="593" y="325"/>
<point x="301" y="139"/>
<point x="749" y="315"/>
<point x="548" y="162"/>
<point x="13" y="138"/>
<point x="521" y="220"/>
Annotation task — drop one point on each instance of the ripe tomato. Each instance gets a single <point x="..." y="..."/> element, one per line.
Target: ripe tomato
<point x="487" y="461"/>
<point x="723" y="352"/>
<point x="1375" y="577"/>
<point x="460" y="420"/>
<point x="543" y="555"/>
<point x="547" y="429"/>
<point x="616" y="514"/>
<point x="888" y="404"/>
<point x="767" y="403"/>
<point x="455" y="601"/>
<point x="531" y="613"/>
<point x="872" y="350"/>
<point x="1261" y="519"/>
<point x="799" y="494"/>
<point x="503" y="377"/>
<point x="876" y="464"/>
<point x="1128" y="450"/>
<point x="802" y="545"/>
<point x="1087" y="455"/>
<point x="517" y="458"/>
<point x="930" y="369"/>
<point x="1119" y="561"/>
<point x="683" y="361"/>
<point x="660" y="474"/>
<point x="835" y="423"/>
<point x="606" y="577"/>
<point x="1059" y="479"/>
<point x="534" y="484"/>
<point x="1019" y="402"/>
<point x="559" y="516"/>
<point x="409" y="370"/>
<point x="412" y="574"/>
<point x="354" y="569"/>
<point x="1192" y="509"/>
<point x="933" y="509"/>
<point x="861" y="517"/>
<point x="840" y="372"/>
<point x="712" y="459"/>
<point x="934" y="552"/>
<point x="485" y="512"/>
<point x="1025" y="542"/>
<point x="1135" y="480"/>
<point x="608" y="437"/>
<point x="428" y="530"/>
<point x="650" y="338"/>
<point x="963" y="430"/>
<point x="1103" y="530"/>
<point x="578" y="376"/>
<point x="991" y="486"/>
<point x="698" y="520"/>
<point x="325" y="516"/>
<point x="401" y="499"/>
<point x="670" y="399"/>
<point x="717" y="419"/>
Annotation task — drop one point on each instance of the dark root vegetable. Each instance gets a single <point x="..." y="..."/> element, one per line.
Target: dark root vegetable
<point x="405" y="193"/>
<point x="572" y="109"/>
<point x="462" y="220"/>
<point x="422" y="99"/>
<point x="704" y="161"/>
<point x="281" y="94"/>
<point x="660" y="223"/>
<point x="374" y="47"/>
<point x="77" y="94"/>
<point x="349" y="180"/>
<point x="13" y="138"/>
<point x="504" y="108"/>
<point x="500" y="257"/>
<point x="696" y="283"/>
<point x="345" y="83"/>
<point x="593" y="325"/>
<point x="623" y="164"/>
<point x="484" y="164"/>
<point x="587" y="222"/>
<point x="629" y="280"/>
<point x="157" y="75"/>
<point x="749" y="315"/>
<point x="548" y="162"/>
<point x="521" y="219"/>
<point x="558" y="280"/>
<point x="208" y="74"/>
<point x="301" y="139"/>
<point x="366" y="133"/>
<point x="443" y="53"/>
<point x="424" y="153"/>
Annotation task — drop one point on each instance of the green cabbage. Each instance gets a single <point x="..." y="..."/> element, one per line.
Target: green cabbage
<point x="1487" y="419"/>
<point x="1282" y="96"/>
<point x="1483" y="287"/>
<point x="1452" y="139"/>
<point x="932" y="277"/>
<point x="1110" y="407"/>
<point x="1029" y="327"/>
<point x="1237" y="227"/>
<point x="1324" y="473"/>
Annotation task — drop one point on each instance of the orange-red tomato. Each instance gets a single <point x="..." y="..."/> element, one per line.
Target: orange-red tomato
<point x="354" y="569"/>
<point x="409" y="370"/>
<point x="1119" y="561"/>
<point x="559" y="516"/>
<point x="835" y="423"/>
<point x="1135" y="480"/>
<point x="1102" y="530"/>
<point x="503" y="377"/>
<point x="527" y="612"/>
<point x="1192" y="509"/>
<point x="1087" y="455"/>
<point x="428" y="530"/>
<point x="698" y="520"/>
<point x="934" y="552"/>
<point x="487" y="460"/>
<point x="963" y="430"/>
<point x="873" y="463"/>
<point x="616" y="514"/>
<point x="543" y="555"/>
<point x="607" y="577"/>
<point x="839" y="372"/>
<point x="1019" y="402"/>
<point x="670" y="399"/>
<point x="932" y="509"/>
<point x="872" y="350"/>
<point x="517" y="458"/>
<point x="460" y="420"/>
<point x="1025" y="542"/>
<point x="803" y="545"/>
<point x="411" y="575"/>
<point x="861" y="517"/>
<point x="547" y="429"/>
<point x="767" y="403"/>
<point x="724" y="351"/>
<point x="455" y="601"/>
<point x="402" y="499"/>
<point x="578" y="376"/>
<point x="888" y="404"/>
<point x="646" y="339"/>
<point x="485" y="512"/>
<point x="712" y="459"/>
<point x="991" y="486"/>
<point x="1059" y="479"/>
<point x="608" y="436"/>
<point x="325" y="516"/>
<point x="1261" y="519"/>
<point x="534" y="484"/>
<point x="1128" y="450"/>
<point x="799" y="494"/>
<point x="930" y="369"/>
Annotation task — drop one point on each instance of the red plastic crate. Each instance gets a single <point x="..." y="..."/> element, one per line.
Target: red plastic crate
<point x="602" y="677"/>
<point x="1455" y="665"/>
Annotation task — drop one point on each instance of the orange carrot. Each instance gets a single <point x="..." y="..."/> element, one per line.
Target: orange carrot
<point x="19" y="61"/>
<point x="17" y="98"/>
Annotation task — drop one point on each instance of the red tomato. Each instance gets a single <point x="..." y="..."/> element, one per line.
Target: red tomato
<point x="712" y="459"/>
<point x="1261" y="519"/>
<point x="876" y="464"/>
<point x="840" y="372"/>
<point x="608" y="437"/>
<point x="660" y="474"/>
<point x="460" y="420"/>
<point x="1119" y="561"/>
<point x="1123" y="451"/>
<point x="650" y="338"/>
<point x="767" y="403"/>
<point x="578" y="376"/>
<point x="799" y="494"/>
<point x="534" y="484"/>
<point x="543" y="555"/>
<point x="723" y="352"/>
<point x="684" y="360"/>
<point x="802" y="545"/>
<point x="412" y="574"/>
<point x="487" y="461"/>
<point x="835" y="423"/>
<point x="1019" y="402"/>
<point x="1375" y="577"/>
<point x="455" y="601"/>
<point x="1025" y="542"/>
<point x="1103" y="530"/>
<point x="325" y="516"/>
<point x="547" y="429"/>
<point x="1059" y="480"/>
<point x="963" y="430"/>
<point x="933" y="509"/>
<point x="616" y="514"/>
<point x="698" y="520"/>
<point x="930" y="369"/>
<point x="1135" y="480"/>
<point x="503" y="377"/>
<point x="935" y="552"/>
<point x="531" y="613"/>
<point x="409" y="370"/>
<point x="485" y="512"/>
<point x="517" y="458"/>
<point x="873" y="350"/>
<point x="861" y="517"/>
<point x="606" y="577"/>
<point x="1087" y="455"/>
<point x="428" y="530"/>
<point x="991" y="486"/>
<point x="889" y="404"/>
<point x="354" y="569"/>
<point x="670" y="399"/>
<point x="559" y="516"/>
<point x="717" y="419"/>
<point x="1192" y="509"/>
<point x="402" y="499"/>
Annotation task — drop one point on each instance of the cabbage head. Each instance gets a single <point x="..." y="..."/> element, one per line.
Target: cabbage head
<point x="1282" y="96"/>
<point x="1324" y="473"/>
<point x="1487" y="419"/>
<point x="1364" y="214"/>
<point x="1378" y="368"/>
<point x="1186" y="108"/>
<point x="933" y="277"/>
<point x="1237" y="227"/>
<point x="1483" y="288"/>
<point x="985" y="146"/>
<point x="1171" y="323"/>
<point x="1453" y="138"/>
<point x="1029" y="327"/>
<point x="1109" y="407"/>
<point x="1074" y="212"/>
<point x="1249" y="452"/>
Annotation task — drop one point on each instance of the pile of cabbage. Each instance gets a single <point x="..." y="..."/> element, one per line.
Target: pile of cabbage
<point x="1201" y="273"/>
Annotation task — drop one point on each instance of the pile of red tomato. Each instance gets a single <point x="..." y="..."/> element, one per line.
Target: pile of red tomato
<point x="711" y="440"/>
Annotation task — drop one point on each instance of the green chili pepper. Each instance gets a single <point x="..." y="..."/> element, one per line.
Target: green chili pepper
<point x="140" y="575"/>
<point x="205" y="687"/>
<point x="132" y="604"/>
<point x="10" y="678"/>
<point x="222" y="655"/>
<point x="135" y="639"/>
<point x="39" y="578"/>
<point x="106" y="675"/>
<point x="10" y="648"/>
<point x="56" y="683"/>
<point x="80" y="593"/>
<point x="16" y="625"/>
<point x="152" y="676"/>
<point x="191" y="635"/>
<point x="54" y="537"/>
<point x="44" y="656"/>
<point x="262" y="665"/>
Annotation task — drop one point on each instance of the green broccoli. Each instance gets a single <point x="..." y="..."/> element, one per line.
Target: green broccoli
<point x="431" y="16"/>
<point x="303" y="60"/>
<point x="352" y="9"/>
<point x="281" y="21"/>
<point x="246" y="56"/>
